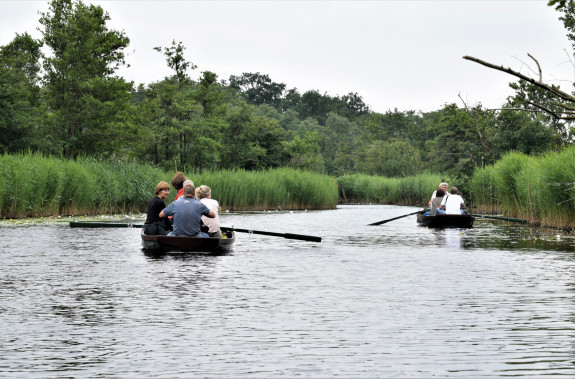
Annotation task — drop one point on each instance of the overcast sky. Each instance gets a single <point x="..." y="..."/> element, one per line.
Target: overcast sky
<point x="395" y="54"/>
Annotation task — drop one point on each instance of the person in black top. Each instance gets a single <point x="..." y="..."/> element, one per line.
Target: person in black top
<point x="154" y="223"/>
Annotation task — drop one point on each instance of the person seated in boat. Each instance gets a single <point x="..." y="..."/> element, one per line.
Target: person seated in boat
<point x="204" y="195"/>
<point x="155" y="224"/>
<point x="178" y="182"/>
<point x="436" y="203"/>
<point x="444" y="186"/>
<point x="187" y="213"/>
<point x="453" y="203"/>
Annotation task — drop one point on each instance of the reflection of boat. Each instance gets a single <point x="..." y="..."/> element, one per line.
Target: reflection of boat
<point x="446" y="221"/>
<point x="201" y="245"/>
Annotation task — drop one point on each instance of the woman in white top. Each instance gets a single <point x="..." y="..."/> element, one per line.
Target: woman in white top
<point x="204" y="194"/>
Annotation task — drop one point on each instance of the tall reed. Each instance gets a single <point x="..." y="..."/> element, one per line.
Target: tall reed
<point x="281" y="188"/>
<point x="34" y="185"/>
<point x="483" y="189"/>
<point x="412" y="190"/>
<point x="539" y="189"/>
<point x="554" y="189"/>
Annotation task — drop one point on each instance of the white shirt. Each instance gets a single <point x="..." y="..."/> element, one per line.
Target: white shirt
<point x="212" y="223"/>
<point x="452" y="204"/>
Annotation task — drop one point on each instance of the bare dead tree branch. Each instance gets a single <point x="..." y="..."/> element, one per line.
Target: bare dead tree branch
<point x="568" y="108"/>
<point x="552" y="113"/>
<point x="514" y="109"/>
<point x="538" y="67"/>
<point x="525" y="64"/>
<point x="550" y="88"/>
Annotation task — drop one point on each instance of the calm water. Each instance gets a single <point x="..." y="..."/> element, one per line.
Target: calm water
<point x="395" y="300"/>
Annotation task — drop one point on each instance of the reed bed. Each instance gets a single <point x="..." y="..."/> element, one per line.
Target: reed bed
<point x="538" y="189"/>
<point x="280" y="189"/>
<point x="413" y="190"/>
<point x="483" y="190"/>
<point x="33" y="185"/>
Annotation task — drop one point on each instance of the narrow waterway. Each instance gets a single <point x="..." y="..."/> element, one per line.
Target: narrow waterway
<point x="395" y="300"/>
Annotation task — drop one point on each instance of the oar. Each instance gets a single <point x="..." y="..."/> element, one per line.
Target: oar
<point x="98" y="224"/>
<point x="284" y="235"/>
<point x="103" y="224"/>
<point x="398" y="217"/>
<point x="519" y="220"/>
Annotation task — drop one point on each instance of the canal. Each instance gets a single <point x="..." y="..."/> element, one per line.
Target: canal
<point x="395" y="300"/>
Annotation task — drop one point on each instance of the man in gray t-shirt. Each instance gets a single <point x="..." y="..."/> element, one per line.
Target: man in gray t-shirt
<point x="187" y="212"/>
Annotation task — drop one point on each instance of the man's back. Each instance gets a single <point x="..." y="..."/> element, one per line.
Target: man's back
<point x="187" y="214"/>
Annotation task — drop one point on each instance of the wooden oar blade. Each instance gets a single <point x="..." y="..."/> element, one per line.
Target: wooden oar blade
<point x="283" y="235"/>
<point x="302" y="237"/>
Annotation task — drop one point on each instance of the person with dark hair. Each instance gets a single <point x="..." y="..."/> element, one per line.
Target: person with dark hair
<point x="154" y="223"/>
<point x="187" y="212"/>
<point x="444" y="186"/>
<point x="178" y="182"/>
<point x="436" y="203"/>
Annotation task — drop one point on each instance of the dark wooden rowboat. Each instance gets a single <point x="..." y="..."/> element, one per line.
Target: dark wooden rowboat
<point x="446" y="221"/>
<point x="200" y="245"/>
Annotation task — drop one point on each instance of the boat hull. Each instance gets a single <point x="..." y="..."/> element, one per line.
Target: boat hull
<point x="446" y="221"/>
<point x="187" y="245"/>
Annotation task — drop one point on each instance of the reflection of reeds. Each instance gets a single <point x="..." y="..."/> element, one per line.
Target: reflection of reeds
<point x="410" y="190"/>
<point x="539" y="189"/>
<point x="32" y="185"/>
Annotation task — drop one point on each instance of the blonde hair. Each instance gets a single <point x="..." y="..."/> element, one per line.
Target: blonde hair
<point x="161" y="186"/>
<point x="203" y="191"/>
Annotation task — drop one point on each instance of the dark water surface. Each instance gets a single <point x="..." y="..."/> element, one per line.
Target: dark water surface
<point x="395" y="300"/>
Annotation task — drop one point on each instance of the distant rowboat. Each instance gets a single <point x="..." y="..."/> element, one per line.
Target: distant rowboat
<point x="446" y="221"/>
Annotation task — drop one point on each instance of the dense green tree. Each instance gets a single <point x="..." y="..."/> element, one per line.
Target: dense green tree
<point x="456" y="147"/>
<point x="338" y="145"/>
<point x="250" y="141"/>
<point x="304" y="152"/>
<point x="19" y="94"/>
<point x="258" y="89"/>
<point x="86" y="101"/>
<point x="518" y="131"/>
<point x="391" y="124"/>
<point x="391" y="158"/>
<point x="315" y="105"/>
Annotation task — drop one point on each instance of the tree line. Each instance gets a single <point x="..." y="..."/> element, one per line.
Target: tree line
<point x="71" y="103"/>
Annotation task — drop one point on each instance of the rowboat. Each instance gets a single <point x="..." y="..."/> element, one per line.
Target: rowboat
<point x="446" y="221"/>
<point x="199" y="245"/>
